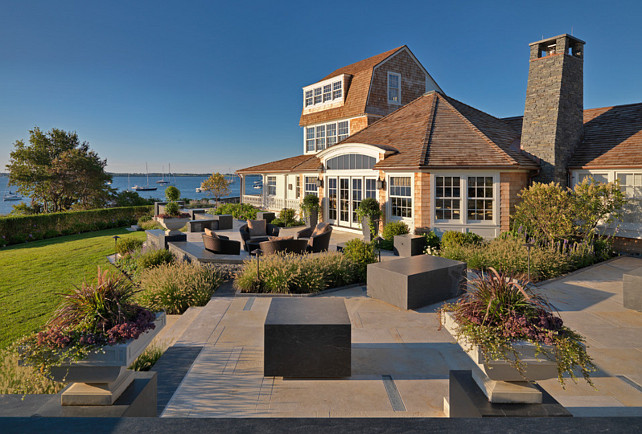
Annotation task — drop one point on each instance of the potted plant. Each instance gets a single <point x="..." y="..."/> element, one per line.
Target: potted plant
<point x="369" y="213"/>
<point x="172" y="219"/>
<point x="94" y="335"/>
<point x="310" y="209"/>
<point x="513" y="334"/>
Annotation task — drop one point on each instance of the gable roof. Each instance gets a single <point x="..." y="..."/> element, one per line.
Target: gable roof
<point x="356" y="92"/>
<point x="300" y="163"/>
<point x="612" y="138"/>
<point x="436" y="131"/>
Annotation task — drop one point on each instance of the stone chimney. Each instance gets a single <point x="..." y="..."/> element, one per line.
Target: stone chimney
<point x="554" y="108"/>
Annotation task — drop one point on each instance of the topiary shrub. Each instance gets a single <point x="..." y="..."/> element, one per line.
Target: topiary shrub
<point x="361" y="254"/>
<point x="369" y="208"/>
<point x="172" y="194"/>
<point x="178" y="286"/>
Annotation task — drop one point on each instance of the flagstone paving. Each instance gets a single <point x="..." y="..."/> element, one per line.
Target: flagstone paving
<point x="388" y="343"/>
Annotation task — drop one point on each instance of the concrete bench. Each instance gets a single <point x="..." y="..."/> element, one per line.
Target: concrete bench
<point x="409" y="245"/>
<point x="417" y="281"/>
<point x="307" y="337"/>
<point x="632" y="289"/>
<point x="225" y="221"/>
<point x="199" y="225"/>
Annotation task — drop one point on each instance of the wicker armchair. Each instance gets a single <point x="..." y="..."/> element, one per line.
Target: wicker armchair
<point x="317" y="243"/>
<point x="271" y="231"/>
<point x="221" y="245"/>
<point x="288" y="246"/>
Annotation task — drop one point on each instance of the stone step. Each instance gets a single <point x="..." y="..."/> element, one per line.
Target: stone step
<point x="205" y="323"/>
<point x="176" y="327"/>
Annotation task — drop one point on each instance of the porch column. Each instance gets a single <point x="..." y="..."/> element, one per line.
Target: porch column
<point x="242" y="192"/>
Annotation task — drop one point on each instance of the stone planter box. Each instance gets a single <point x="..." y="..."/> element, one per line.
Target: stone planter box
<point x="172" y="224"/>
<point x="409" y="245"/>
<point x="102" y="377"/>
<point x="225" y="221"/>
<point x="199" y="225"/>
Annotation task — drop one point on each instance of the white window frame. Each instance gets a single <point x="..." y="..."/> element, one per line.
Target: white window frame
<point x="268" y="179"/>
<point x="319" y="92"/>
<point x="316" y="139"/>
<point x="493" y="200"/>
<point x="433" y="208"/>
<point x="408" y="220"/>
<point x="310" y="181"/>
<point x="391" y="101"/>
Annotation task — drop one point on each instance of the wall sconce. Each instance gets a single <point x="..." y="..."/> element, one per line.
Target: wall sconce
<point x="319" y="182"/>
<point x="381" y="184"/>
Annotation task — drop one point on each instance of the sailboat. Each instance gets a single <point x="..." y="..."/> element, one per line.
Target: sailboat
<point x="163" y="181"/>
<point x="146" y="187"/>
<point x="11" y="196"/>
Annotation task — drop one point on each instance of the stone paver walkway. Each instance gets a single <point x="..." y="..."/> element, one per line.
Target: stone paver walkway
<point x="226" y="379"/>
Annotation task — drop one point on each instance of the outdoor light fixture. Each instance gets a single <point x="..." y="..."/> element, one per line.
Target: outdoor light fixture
<point x="115" y="237"/>
<point x="528" y="247"/>
<point x="381" y="184"/>
<point x="319" y="182"/>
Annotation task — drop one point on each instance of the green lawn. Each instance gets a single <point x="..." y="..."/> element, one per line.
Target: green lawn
<point x="32" y="274"/>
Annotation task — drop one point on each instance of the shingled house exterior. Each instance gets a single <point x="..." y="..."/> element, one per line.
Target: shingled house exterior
<point x="383" y="128"/>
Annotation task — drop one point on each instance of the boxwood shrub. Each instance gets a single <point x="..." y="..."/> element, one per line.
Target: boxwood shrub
<point x="18" y="229"/>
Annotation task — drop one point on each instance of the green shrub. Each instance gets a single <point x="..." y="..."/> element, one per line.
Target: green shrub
<point x="178" y="286"/>
<point x="455" y="238"/>
<point x="240" y="211"/>
<point x="18" y="229"/>
<point x="172" y="194"/>
<point x="154" y="258"/>
<point x="288" y="273"/>
<point x="150" y="224"/>
<point x="128" y="245"/>
<point x="394" y="228"/>
<point x="146" y="361"/>
<point x="369" y="207"/>
<point x="361" y="254"/>
<point x="286" y="219"/>
<point x="172" y="209"/>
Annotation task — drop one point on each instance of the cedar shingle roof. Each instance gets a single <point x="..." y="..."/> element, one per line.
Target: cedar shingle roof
<point x="612" y="138"/>
<point x="438" y="131"/>
<point x="300" y="163"/>
<point x="356" y="92"/>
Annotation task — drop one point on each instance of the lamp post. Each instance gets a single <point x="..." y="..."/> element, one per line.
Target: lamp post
<point x="377" y="242"/>
<point x="528" y="247"/>
<point x="116" y="238"/>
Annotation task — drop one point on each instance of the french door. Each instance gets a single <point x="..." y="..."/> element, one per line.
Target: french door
<point x="344" y="195"/>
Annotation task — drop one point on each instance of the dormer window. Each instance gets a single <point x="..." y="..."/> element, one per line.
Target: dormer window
<point x="325" y="93"/>
<point x="394" y="88"/>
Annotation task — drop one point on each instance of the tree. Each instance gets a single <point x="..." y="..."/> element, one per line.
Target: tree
<point x="217" y="186"/>
<point x="58" y="172"/>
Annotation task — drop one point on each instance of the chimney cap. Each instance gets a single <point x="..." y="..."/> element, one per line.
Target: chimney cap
<point x="565" y="35"/>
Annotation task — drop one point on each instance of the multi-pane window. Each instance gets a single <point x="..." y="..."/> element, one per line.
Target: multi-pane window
<point x="394" y="88"/>
<point x="480" y="198"/>
<point x="371" y="188"/>
<point x="356" y="197"/>
<point x="320" y="137"/>
<point x="447" y="197"/>
<point x="323" y="94"/>
<point x="311" y="185"/>
<point x="400" y="196"/>
<point x="331" y="134"/>
<point x="631" y="186"/>
<point x="298" y="186"/>
<point x="336" y="90"/>
<point x="271" y="185"/>
<point x="343" y="130"/>
<point x="332" y="198"/>
<point x="309" y="139"/>
<point x="350" y="162"/>
<point x="597" y="177"/>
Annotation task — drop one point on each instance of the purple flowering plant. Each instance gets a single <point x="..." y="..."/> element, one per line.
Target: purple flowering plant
<point x="499" y="310"/>
<point x="90" y="317"/>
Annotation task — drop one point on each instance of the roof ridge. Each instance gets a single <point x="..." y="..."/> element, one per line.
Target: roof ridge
<point x="387" y="54"/>
<point x="477" y="130"/>
<point x="423" y="156"/>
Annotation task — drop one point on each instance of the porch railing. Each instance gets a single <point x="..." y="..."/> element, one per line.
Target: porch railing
<point x="271" y="203"/>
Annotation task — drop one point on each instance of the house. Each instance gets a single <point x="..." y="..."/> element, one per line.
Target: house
<point x="383" y="128"/>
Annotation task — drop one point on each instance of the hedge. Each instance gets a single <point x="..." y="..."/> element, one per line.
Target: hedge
<point x="18" y="229"/>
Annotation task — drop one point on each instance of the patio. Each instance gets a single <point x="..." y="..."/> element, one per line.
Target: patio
<point x="400" y="361"/>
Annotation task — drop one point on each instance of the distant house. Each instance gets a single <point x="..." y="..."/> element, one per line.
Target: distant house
<point x="383" y="128"/>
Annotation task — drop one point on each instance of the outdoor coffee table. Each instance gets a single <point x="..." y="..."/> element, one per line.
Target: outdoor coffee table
<point x="307" y="337"/>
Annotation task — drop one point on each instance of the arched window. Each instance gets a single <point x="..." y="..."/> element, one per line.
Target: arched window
<point x="350" y="162"/>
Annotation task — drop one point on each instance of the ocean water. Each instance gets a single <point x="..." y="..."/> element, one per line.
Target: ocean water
<point x="186" y="184"/>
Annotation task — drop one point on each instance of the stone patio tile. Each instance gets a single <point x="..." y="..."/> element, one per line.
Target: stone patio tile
<point x="364" y="335"/>
<point x="617" y="361"/>
<point x="416" y="361"/>
<point x="424" y="334"/>
<point x="623" y="318"/>
<point x="423" y="396"/>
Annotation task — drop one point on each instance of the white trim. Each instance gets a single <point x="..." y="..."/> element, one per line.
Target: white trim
<point x="410" y="221"/>
<point x="349" y="148"/>
<point x="398" y="75"/>
<point x="325" y="125"/>
<point x="342" y="78"/>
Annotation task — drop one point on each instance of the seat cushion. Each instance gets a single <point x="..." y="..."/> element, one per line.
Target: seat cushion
<point x="210" y="232"/>
<point x="257" y="228"/>
<point x="321" y="228"/>
<point x="281" y="238"/>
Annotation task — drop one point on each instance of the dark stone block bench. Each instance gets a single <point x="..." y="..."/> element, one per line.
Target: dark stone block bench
<point x="199" y="225"/>
<point x="409" y="245"/>
<point x="225" y="221"/>
<point x="156" y="239"/>
<point x="307" y="337"/>
<point x="632" y="289"/>
<point x="265" y="215"/>
<point x="417" y="281"/>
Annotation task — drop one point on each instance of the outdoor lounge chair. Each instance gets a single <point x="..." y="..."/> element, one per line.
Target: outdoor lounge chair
<point x="316" y="242"/>
<point x="221" y="245"/>
<point x="290" y="245"/>
<point x="271" y="231"/>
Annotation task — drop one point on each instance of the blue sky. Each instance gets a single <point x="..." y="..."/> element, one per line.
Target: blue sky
<point x="216" y="86"/>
